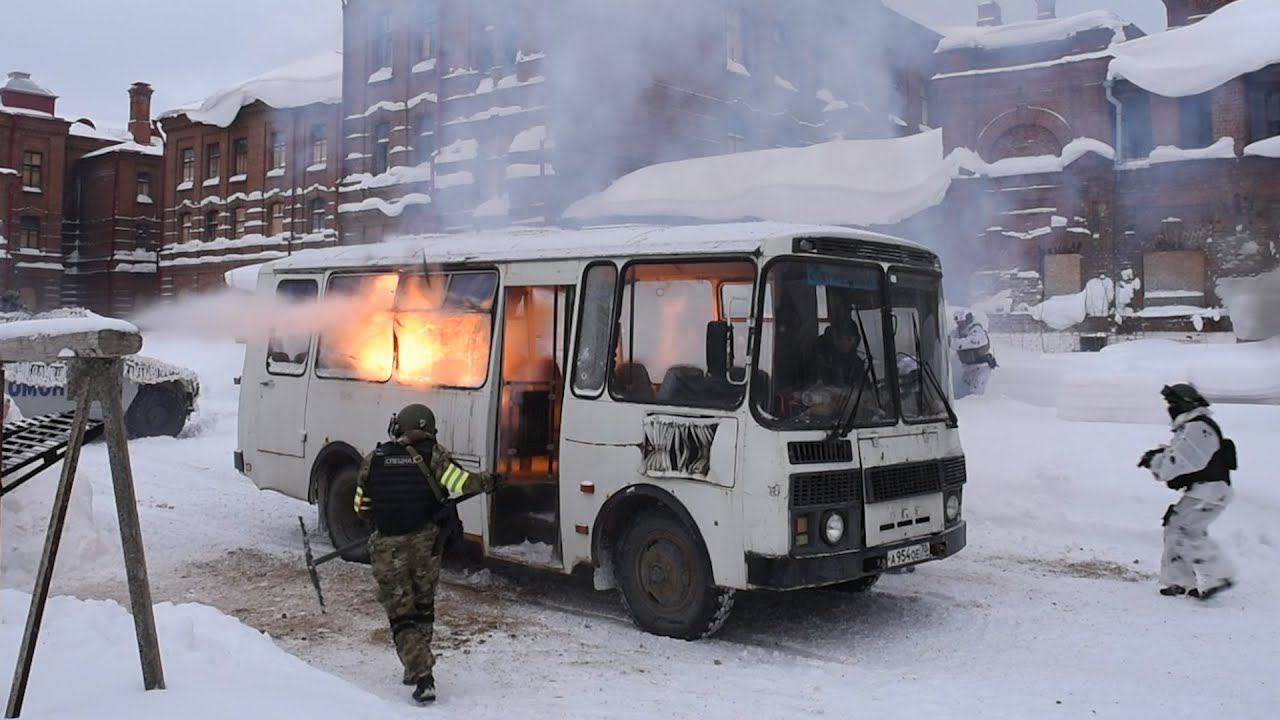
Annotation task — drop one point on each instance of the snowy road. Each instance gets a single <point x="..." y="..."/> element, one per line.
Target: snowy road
<point x="1051" y="612"/>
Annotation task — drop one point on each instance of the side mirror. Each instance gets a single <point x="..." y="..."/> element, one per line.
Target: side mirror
<point x="719" y="349"/>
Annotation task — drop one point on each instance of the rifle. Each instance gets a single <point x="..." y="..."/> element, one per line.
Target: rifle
<point x="313" y="563"/>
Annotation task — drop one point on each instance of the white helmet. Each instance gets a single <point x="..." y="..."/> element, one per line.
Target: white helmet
<point x="963" y="318"/>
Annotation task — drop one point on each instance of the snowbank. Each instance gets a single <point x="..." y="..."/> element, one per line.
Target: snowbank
<point x="62" y="322"/>
<point x="1254" y="303"/>
<point x="852" y="182"/>
<point x="215" y="668"/>
<point x="1031" y="32"/>
<point x="1238" y="39"/>
<point x="1073" y="151"/>
<point x="306" y="82"/>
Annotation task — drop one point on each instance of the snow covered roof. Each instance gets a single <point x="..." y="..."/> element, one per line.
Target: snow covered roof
<point x="849" y="182"/>
<point x="81" y="128"/>
<point x="1031" y="32"/>
<point x="1033" y="164"/>
<point x="156" y="148"/>
<point x="22" y="82"/>
<point x="533" y="244"/>
<point x="307" y="82"/>
<point x="1238" y="39"/>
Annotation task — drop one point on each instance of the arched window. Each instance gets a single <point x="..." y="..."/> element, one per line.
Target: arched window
<point x="275" y="225"/>
<point x="318" y="207"/>
<point x="210" y="225"/>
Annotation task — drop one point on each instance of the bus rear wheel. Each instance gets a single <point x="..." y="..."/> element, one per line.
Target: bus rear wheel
<point x="665" y="578"/>
<point x="338" y="509"/>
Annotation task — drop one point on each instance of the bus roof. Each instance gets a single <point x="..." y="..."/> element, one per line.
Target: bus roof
<point x="551" y="243"/>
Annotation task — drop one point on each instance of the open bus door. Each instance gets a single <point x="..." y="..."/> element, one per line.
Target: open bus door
<point x="525" y="513"/>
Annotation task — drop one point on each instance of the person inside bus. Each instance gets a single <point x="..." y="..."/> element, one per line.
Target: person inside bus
<point x="836" y="358"/>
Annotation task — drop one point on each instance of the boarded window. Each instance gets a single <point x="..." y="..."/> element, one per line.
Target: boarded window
<point x="1062" y="275"/>
<point x="1174" y="278"/>
<point x="287" y="352"/>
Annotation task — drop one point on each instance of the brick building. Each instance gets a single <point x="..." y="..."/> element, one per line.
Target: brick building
<point x="77" y="224"/>
<point x="463" y="114"/>
<point x="1101" y="188"/>
<point x="250" y="174"/>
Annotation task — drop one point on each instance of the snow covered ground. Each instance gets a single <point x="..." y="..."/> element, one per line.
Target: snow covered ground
<point x="1051" y="612"/>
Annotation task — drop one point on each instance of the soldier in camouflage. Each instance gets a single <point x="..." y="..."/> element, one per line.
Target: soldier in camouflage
<point x="408" y="488"/>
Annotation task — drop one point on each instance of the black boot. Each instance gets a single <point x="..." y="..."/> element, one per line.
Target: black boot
<point x="1226" y="585"/>
<point x="1173" y="591"/>
<point x="426" y="690"/>
<point x="409" y="680"/>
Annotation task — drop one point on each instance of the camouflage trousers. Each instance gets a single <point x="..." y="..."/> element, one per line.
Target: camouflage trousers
<point x="407" y="571"/>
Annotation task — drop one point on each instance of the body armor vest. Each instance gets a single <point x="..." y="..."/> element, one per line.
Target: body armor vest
<point x="401" y="495"/>
<point x="1218" y="469"/>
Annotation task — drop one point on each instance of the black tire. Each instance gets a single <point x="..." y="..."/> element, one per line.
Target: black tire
<point x="861" y="585"/>
<point x="337" y="506"/>
<point x="156" y="411"/>
<point x="665" y="577"/>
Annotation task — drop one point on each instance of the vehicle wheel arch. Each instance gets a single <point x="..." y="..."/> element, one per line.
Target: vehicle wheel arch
<point x="332" y="459"/>
<point x="624" y="506"/>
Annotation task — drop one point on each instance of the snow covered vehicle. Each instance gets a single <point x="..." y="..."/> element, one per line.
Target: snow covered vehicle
<point x="688" y="411"/>
<point x="158" y="397"/>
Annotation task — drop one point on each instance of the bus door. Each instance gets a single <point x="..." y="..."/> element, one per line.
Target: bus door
<point x="282" y="390"/>
<point x="525" y="512"/>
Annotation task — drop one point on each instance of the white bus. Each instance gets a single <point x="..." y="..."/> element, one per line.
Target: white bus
<point x="687" y="411"/>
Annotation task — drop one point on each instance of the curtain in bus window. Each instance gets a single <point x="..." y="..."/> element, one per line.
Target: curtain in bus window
<point x="444" y="329"/>
<point x="287" y="352"/>
<point x="598" y="296"/>
<point x="360" y="345"/>
<point x="661" y="354"/>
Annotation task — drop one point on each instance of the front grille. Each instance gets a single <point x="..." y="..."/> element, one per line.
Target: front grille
<point x="954" y="472"/>
<point x="826" y="489"/>
<point x="871" y="250"/>
<point x="821" y="451"/>
<point x="900" y="481"/>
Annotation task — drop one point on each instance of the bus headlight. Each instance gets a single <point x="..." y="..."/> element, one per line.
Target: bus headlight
<point x="833" y="528"/>
<point x="953" y="507"/>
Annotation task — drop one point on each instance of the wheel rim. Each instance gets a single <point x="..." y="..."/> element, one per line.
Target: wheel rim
<point x="663" y="570"/>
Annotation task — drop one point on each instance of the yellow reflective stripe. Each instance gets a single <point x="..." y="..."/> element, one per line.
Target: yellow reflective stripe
<point x="362" y="503"/>
<point x="455" y="478"/>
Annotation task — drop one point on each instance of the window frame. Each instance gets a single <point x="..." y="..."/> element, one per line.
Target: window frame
<point x="1195" y="112"/>
<point x="312" y="341"/>
<point x="735" y="32"/>
<point x="428" y="26"/>
<point x="272" y="229"/>
<point x="144" y="184"/>
<point x="318" y="140"/>
<point x="33" y="170"/>
<point x="317" y="208"/>
<point x="497" y="305"/>
<point x="184" y="227"/>
<point x="240" y="157"/>
<point x="239" y="219"/>
<point x="211" y="225"/>
<point x="942" y="341"/>
<point x="614" y="336"/>
<point x="213" y="161"/>
<point x="187" y="164"/>
<point x="381" y="150"/>
<point x="29" y="232"/>
<point x="328" y="280"/>
<point x="424" y="143"/>
<point x="277" y="150"/>
<point x="610" y="343"/>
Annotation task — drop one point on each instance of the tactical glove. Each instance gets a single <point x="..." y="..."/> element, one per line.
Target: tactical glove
<point x="1147" y="457"/>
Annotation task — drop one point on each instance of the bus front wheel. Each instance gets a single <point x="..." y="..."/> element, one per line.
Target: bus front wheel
<point x="338" y="508"/>
<point x="665" y="578"/>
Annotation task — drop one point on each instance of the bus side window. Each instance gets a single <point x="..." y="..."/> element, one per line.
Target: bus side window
<point x="591" y="364"/>
<point x="287" y="353"/>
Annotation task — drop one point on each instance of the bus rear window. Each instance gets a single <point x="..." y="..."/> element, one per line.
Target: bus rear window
<point x="361" y="347"/>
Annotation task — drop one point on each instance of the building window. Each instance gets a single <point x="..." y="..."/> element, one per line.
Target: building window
<point x="210" y="225"/>
<point x="425" y="130"/>
<point x="1136" y="141"/>
<point x="1264" y="105"/>
<point x="1174" y="278"/>
<point x="426" y="30"/>
<point x="29" y="232"/>
<point x="319" y="147"/>
<point x="1063" y="274"/>
<point x="381" y="47"/>
<point x="736" y="35"/>
<point x="278" y="150"/>
<point x="381" y="148"/>
<point x="506" y="41"/>
<point x="184" y="234"/>
<point x="783" y="64"/>
<point x="188" y="165"/>
<point x="238" y="218"/>
<point x="141" y="237"/>
<point x="240" y="157"/>
<point x="213" y="161"/>
<point x="276" y="220"/>
<point x="144" y="187"/>
<point x="318" y="207"/>
<point x="33" y="170"/>
<point x="1197" y="120"/>
<point x="1272" y="113"/>
<point x="482" y="37"/>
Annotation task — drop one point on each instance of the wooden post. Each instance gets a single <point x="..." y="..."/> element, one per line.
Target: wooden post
<point x="108" y="381"/>
<point x="44" y="576"/>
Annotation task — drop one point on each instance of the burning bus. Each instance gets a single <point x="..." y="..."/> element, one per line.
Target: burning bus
<point x="688" y="411"/>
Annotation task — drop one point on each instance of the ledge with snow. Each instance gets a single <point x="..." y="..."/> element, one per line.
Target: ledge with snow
<point x="67" y="333"/>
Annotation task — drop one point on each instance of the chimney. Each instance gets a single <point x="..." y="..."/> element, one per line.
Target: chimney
<point x="1046" y="9"/>
<point x="989" y="14"/>
<point x="140" y="113"/>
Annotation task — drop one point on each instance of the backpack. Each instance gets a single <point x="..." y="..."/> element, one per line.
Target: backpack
<point x="1227" y="445"/>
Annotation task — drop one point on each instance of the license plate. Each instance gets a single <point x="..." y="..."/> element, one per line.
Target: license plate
<point x="908" y="554"/>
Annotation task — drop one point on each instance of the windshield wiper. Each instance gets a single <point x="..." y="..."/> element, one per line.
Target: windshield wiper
<point x="848" y="412"/>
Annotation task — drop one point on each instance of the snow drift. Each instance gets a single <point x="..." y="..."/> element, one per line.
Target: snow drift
<point x="313" y="80"/>
<point x="1238" y="39"/>
<point x="1031" y="32"/>
<point x="1254" y="303"/>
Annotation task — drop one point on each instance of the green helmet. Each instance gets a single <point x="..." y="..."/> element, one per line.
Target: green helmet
<point x="415" y="422"/>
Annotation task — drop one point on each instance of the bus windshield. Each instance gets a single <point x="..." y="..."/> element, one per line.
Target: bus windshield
<point x="823" y="359"/>
<point x="917" y="338"/>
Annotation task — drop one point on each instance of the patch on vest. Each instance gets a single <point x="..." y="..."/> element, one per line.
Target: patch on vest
<point x="397" y="460"/>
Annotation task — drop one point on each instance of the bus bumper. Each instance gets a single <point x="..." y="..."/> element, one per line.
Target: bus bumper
<point x="790" y="573"/>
